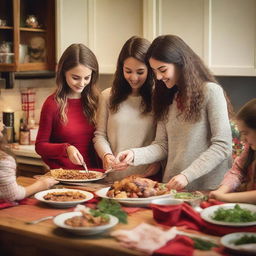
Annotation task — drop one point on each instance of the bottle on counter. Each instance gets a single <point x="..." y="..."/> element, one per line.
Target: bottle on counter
<point x="24" y="133"/>
<point x="33" y="129"/>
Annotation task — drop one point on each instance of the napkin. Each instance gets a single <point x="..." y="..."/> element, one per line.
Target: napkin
<point x="184" y="215"/>
<point x="25" y="201"/>
<point x="179" y="246"/>
<point x="145" y="237"/>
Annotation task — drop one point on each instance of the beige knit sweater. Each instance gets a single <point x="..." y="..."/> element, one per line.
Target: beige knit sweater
<point x="122" y="130"/>
<point x="201" y="151"/>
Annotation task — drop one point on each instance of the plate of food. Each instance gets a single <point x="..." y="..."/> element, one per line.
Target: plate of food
<point x="135" y="191"/>
<point x="72" y="176"/>
<point x="231" y="214"/>
<point x="85" y="223"/>
<point x="63" y="198"/>
<point x="244" y="242"/>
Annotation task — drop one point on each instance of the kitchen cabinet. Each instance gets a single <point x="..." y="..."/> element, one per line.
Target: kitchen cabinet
<point x="221" y="32"/>
<point x="102" y="25"/>
<point x="27" y="35"/>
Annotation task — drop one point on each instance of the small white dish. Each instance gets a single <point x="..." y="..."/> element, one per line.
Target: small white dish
<point x="135" y="202"/>
<point x="207" y="214"/>
<point x="61" y="218"/>
<point x="166" y="201"/>
<point x="65" y="204"/>
<point x="228" y="241"/>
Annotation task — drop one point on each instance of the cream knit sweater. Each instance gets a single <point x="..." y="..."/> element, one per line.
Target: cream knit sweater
<point x="201" y="151"/>
<point x="122" y="130"/>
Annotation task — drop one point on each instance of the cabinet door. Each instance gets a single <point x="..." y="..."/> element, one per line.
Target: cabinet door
<point x="184" y="18"/>
<point x="111" y="23"/>
<point x="30" y="34"/>
<point x="232" y="32"/>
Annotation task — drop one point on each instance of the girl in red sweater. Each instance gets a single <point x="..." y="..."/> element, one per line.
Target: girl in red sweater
<point x="67" y="119"/>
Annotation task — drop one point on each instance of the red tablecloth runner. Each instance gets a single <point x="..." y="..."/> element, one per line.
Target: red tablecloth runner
<point x="184" y="215"/>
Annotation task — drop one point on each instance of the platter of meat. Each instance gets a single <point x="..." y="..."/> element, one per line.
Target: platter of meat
<point x="63" y="198"/>
<point x="135" y="191"/>
<point x="67" y="176"/>
<point x="85" y="223"/>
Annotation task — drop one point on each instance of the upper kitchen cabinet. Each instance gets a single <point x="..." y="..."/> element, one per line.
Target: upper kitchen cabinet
<point x="102" y="25"/>
<point x="221" y="32"/>
<point x="27" y="35"/>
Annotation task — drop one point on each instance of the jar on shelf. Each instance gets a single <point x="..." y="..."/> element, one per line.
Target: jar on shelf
<point x="31" y="21"/>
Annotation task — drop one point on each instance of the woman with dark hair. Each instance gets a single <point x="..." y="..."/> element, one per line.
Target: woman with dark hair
<point x="125" y="116"/>
<point x="68" y="116"/>
<point x="193" y="130"/>
<point x="242" y="175"/>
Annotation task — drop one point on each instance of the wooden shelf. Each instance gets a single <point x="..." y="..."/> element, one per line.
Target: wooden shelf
<point x="32" y="29"/>
<point x="6" y="27"/>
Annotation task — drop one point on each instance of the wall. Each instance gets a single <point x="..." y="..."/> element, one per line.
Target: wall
<point x="239" y="89"/>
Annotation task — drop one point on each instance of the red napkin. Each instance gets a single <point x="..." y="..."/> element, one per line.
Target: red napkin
<point x="6" y="204"/>
<point x="184" y="215"/>
<point x="179" y="246"/>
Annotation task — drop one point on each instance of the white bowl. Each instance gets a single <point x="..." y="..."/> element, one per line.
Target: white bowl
<point x="167" y="201"/>
<point x="61" y="218"/>
<point x="65" y="204"/>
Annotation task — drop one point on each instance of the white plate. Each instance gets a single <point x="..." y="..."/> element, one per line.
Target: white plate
<point x="228" y="241"/>
<point x="141" y="202"/>
<point x="207" y="214"/>
<point x="99" y="174"/>
<point x="60" y="222"/>
<point x="40" y="196"/>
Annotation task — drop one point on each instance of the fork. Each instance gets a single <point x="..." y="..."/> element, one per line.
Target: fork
<point x="39" y="220"/>
<point x="86" y="169"/>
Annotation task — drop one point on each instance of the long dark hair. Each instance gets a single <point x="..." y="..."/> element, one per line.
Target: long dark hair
<point x="74" y="55"/>
<point x="135" y="47"/>
<point x="247" y="114"/>
<point x="193" y="77"/>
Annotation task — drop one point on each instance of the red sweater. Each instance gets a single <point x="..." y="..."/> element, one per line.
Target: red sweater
<point x="54" y="136"/>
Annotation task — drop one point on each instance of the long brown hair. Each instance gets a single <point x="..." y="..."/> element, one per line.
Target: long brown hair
<point x="135" y="47"/>
<point x="74" y="55"/>
<point x="193" y="77"/>
<point x="247" y="114"/>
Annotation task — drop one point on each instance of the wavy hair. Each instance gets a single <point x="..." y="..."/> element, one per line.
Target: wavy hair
<point x="135" y="47"/>
<point x="74" y="55"/>
<point x="247" y="114"/>
<point x="192" y="79"/>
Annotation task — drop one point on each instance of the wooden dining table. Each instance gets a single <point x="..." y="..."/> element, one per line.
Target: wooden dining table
<point x="45" y="238"/>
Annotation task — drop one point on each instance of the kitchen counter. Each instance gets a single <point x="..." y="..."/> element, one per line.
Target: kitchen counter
<point x="26" y="154"/>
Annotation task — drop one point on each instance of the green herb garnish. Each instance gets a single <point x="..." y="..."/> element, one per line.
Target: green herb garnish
<point x="203" y="245"/>
<point x="246" y="239"/>
<point x="236" y="214"/>
<point x="110" y="206"/>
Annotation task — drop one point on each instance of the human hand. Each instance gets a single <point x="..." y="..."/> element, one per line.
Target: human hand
<point x="123" y="160"/>
<point x="74" y="155"/>
<point x="45" y="182"/>
<point x="178" y="182"/>
<point x="108" y="161"/>
<point x="217" y="194"/>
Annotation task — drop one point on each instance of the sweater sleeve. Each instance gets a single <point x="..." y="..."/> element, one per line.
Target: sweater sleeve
<point x="221" y="146"/>
<point x="100" y="140"/>
<point x="43" y="145"/>
<point x="234" y="177"/>
<point x="155" y="152"/>
<point x="9" y="189"/>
